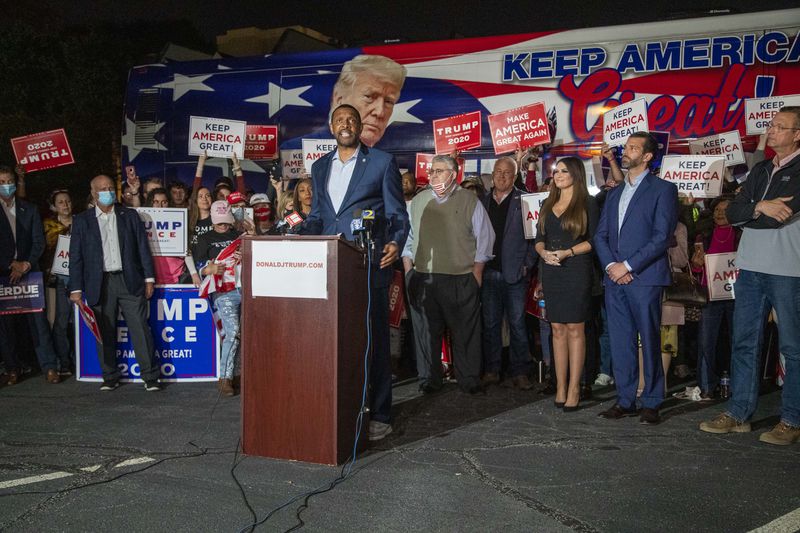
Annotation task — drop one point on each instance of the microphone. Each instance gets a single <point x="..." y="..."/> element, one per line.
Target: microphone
<point x="357" y="228"/>
<point x="280" y="228"/>
<point x="368" y="220"/>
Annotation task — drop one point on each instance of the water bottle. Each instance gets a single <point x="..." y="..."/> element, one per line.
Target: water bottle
<point x="542" y="309"/>
<point x="725" y="386"/>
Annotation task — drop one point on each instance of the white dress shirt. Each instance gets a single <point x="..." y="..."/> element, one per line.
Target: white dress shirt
<point x="341" y="172"/>
<point x="11" y="214"/>
<point x="112" y="258"/>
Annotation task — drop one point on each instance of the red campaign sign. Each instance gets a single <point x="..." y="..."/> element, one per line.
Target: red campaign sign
<point x="460" y="132"/>
<point x="260" y="142"/>
<point x="423" y="166"/>
<point x="40" y="151"/>
<point x="521" y="127"/>
<point x="397" y="302"/>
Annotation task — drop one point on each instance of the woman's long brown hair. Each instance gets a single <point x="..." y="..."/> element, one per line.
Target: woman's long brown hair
<point x="574" y="219"/>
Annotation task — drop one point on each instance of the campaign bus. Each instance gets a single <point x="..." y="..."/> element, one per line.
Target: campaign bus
<point x="694" y="75"/>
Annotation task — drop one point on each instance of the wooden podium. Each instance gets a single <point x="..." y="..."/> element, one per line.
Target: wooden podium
<point x="303" y="359"/>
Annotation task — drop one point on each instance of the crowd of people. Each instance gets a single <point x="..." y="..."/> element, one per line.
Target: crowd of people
<point x="595" y="273"/>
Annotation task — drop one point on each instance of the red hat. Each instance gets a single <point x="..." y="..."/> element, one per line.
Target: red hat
<point x="236" y="197"/>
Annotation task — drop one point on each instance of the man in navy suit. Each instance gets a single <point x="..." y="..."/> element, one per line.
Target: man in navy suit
<point x="633" y="235"/>
<point x="350" y="179"/>
<point x="111" y="267"/>
<point x="505" y="279"/>
<point x="21" y="246"/>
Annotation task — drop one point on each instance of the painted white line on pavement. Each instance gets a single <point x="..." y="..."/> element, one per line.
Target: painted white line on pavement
<point x="134" y="461"/>
<point x="788" y="523"/>
<point x="58" y="475"/>
<point x="33" y="479"/>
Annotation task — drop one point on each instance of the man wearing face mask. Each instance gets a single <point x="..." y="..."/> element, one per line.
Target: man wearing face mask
<point x="111" y="268"/>
<point x="450" y="241"/>
<point x="21" y="246"/>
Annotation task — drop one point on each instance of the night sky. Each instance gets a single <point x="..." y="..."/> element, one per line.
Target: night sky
<point x="356" y="22"/>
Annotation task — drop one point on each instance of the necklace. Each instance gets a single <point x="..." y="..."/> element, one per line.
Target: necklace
<point x="720" y="240"/>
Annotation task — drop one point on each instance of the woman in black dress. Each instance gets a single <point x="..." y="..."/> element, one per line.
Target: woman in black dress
<point x="567" y="222"/>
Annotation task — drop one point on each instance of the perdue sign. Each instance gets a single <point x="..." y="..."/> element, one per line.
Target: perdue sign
<point x="521" y="127"/>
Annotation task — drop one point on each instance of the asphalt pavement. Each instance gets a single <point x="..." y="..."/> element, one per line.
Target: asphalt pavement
<point x="73" y="458"/>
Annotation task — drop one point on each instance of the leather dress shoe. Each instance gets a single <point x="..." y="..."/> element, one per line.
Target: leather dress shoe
<point x="475" y="389"/>
<point x="426" y="387"/>
<point x="649" y="416"/>
<point x="617" y="411"/>
<point x="13" y="377"/>
<point x="490" y="378"/>
<point x="521" y="382"/>
<point x="52" y="376"/>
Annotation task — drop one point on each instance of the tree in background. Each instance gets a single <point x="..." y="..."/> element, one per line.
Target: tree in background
<point x="75" y="79"/>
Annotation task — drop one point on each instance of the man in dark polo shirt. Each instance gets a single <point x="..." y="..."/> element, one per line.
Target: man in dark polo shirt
<point x="505" y="280"/>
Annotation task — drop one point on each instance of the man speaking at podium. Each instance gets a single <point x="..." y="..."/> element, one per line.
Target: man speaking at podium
<point x="346" y="182"/>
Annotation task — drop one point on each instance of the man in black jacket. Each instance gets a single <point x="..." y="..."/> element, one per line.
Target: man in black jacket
<point x="768" y="259"/>
<point x="21" y="246"/>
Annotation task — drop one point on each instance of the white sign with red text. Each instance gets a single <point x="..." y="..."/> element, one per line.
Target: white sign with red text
<point x="727" y="144"/>
<point x="460" y="132"/>
<point x="313" y="149"/>
<point x="521" y="127"/>
<point x="292" y="164"/>
<point x="698" y="175"/>
<point x="625" y="119"/>
<point x="217" y="137"/>
<point x="165" y="228"/>
<point x="61" y="257"/>
<point x="290" y="269"/>
<point x="758" y="112"/>
<point x="722" y="274"/>
<point x="531" y="206"/>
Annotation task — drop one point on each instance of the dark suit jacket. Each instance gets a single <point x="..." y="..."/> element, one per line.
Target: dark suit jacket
<point x="646" y="232"/>
<point x="518" y="255"/>
<point x="30" y="238"/>
<point x="86" y="253"/>
<point x="375" y="185"/>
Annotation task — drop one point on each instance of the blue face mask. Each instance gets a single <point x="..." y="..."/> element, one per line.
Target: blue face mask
<point x="7" y="190"/>
<point x="106" y="198"/>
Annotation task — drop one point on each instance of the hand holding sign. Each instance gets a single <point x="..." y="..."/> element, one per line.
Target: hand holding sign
<point x="201" y="163"/>
<point x="18" y="270"/>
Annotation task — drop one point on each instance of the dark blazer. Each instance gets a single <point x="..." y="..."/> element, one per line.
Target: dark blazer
<point x="30" y="237"/>
<point x="86" y="253"/>
<point x="375" y="185"/>
<point x="518" y="255"/>
<point x="646" y="231"/>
